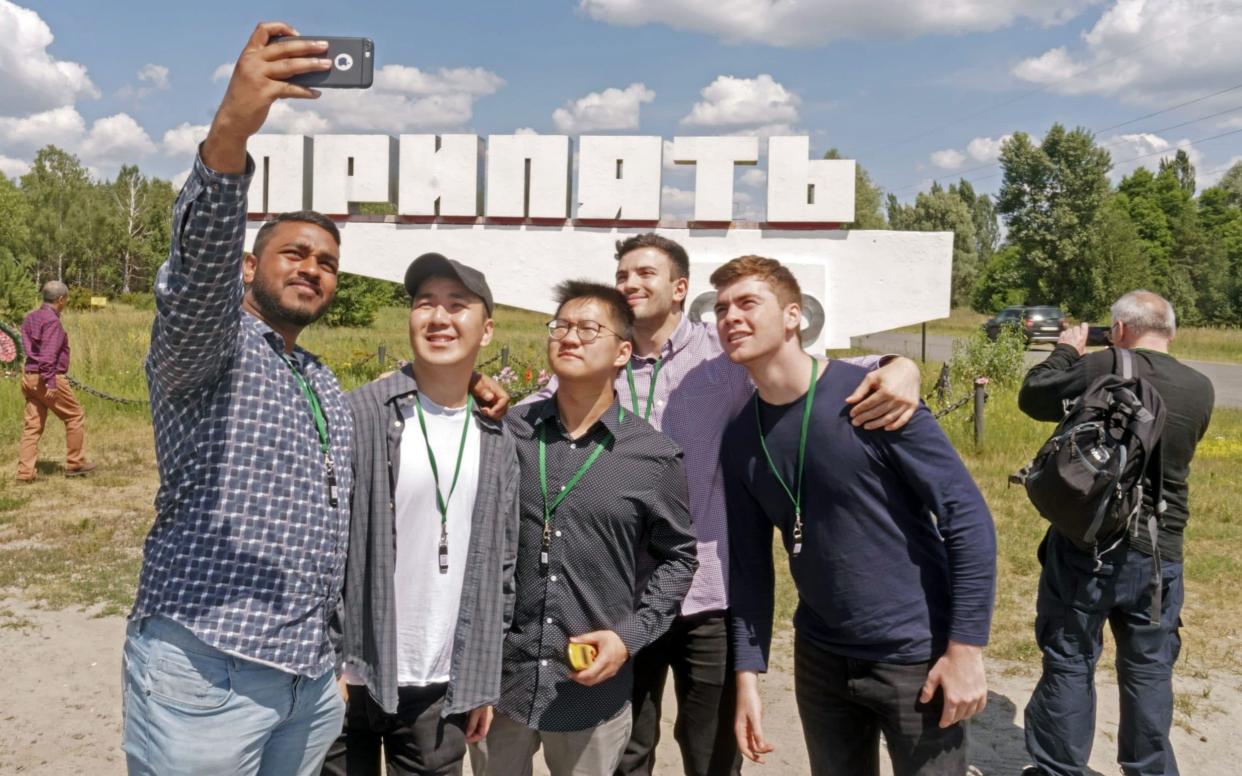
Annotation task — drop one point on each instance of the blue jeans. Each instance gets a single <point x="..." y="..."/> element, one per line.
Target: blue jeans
<point x="190" y="709"/>
<point x="1075" y="601"/>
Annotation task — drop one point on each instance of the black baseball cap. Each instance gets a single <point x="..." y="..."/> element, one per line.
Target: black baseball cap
<point x="437" y="265"/>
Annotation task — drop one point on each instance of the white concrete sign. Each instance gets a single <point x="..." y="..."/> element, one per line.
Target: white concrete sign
<point x="524" y="223"/>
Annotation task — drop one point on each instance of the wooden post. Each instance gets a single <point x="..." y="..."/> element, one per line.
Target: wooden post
<point x="504" y="357"/>
<point x="924" y="342"/>
<point x="980" y="397"/>
<point x="382" y="355"/>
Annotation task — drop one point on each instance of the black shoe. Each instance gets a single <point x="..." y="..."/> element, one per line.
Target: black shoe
<point x="1031" y="770"/>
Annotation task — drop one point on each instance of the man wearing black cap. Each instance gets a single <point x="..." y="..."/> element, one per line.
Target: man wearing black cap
<point x="429" y="578"/>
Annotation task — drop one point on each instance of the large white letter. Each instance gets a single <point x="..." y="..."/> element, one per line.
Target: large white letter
<point x="619" y="177"/>
<point x="527" y="176"/>
<point x="439" y="175"/>
<point x="282" y="174"/>
<point x="353" y="168"/>
<point x="713" y="159"/>
<point x="801" y="190"/>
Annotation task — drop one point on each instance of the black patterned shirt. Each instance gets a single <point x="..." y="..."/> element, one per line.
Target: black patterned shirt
<point x="632" y="500"/>
<point x="246" y="550"/>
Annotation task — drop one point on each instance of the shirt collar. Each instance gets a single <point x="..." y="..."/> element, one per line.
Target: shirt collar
<point x="400" y="387"/>
<point x="300" y="356"/>
<point x="547" y="411"/>
<point x="676" y="341"/>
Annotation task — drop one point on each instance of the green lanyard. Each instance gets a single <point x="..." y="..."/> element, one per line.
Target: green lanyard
<point x="806" y="423"/>
<point x="441" y="501"/>
<point x="321" y="426"/>
<point x="548" y="509"/>
<point x="629" y="375"/>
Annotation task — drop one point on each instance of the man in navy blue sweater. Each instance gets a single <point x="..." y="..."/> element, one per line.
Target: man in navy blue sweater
<point x="890" y="544"/>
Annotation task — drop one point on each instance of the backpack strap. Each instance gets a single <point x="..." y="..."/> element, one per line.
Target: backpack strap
<point x="1123" y="363"/>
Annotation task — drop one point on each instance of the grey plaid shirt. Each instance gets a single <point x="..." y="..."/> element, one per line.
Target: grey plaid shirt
<point x="367" y="616"/>
<point x="245" y="551"/>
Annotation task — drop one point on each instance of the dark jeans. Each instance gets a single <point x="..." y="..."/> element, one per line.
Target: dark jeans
<point x="696" y="648"/>
<point x="846" y="703"/>
<point x="416" y="740"/>
<point x="1074" y="603"/>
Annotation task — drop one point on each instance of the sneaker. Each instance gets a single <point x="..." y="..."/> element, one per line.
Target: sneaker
<point x="82" y="470"/>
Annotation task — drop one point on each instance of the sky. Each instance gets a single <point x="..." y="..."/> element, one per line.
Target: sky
<point x="915" y="90"/>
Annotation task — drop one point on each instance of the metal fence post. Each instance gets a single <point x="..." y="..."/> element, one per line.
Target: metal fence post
<point x="504" y="357"/>
<point x="381" y="355"/>
<point x="980" y="398"/>
<point x="924" y="342"/>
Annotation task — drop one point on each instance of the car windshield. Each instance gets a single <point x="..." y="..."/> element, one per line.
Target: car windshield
<point x="1044" y="313"/>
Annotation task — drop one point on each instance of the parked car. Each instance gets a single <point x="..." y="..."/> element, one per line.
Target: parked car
<point x="1037" y="323"/>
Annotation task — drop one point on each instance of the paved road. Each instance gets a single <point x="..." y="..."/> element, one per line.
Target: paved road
<point x="1226" y="378"/>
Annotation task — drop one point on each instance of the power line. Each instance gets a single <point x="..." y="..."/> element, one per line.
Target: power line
<point x="1076" y="74"/>
<point x="1173" y="108"/>
<point x="1119" y="141"/>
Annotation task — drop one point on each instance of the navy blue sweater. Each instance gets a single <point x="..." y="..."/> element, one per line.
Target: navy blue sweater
<point x="899" y="550"/>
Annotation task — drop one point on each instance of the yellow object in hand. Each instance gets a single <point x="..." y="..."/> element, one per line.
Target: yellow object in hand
<point x="581" y="656"/>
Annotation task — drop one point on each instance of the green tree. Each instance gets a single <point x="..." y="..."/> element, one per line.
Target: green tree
<point x="358" y="299"/>
<point x="983" y="213"/>
<point x="57" y="188"/>
<point x="18" y="291"/>
<point x="137" y="227"/>
<point x="939" y="210"/>
<point x="1117" y="259"/>
<point x="1051" y="197"/>
<point x="1001" y="282"/>
<point x="868" y="198"/>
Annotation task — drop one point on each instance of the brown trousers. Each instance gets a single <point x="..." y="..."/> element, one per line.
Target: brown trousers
<point x="64" y="404"/>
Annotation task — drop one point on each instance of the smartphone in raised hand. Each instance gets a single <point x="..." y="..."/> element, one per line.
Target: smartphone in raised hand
<point x="353" y="63"/>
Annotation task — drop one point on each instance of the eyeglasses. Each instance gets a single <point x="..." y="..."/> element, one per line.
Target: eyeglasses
<point x="588" y="331"/>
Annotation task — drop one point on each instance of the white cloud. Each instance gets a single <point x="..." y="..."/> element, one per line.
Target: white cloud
<point x="13" y="168"/>
<point x="1144" y="51"/>
<point x="402" y="99"/>
<point x="525" y="131"/>
<point x="980" y="150"/>
<point x="756" y="105"/>
<point x="156" y="76"/>
<point x="607" y="110"/>
<point x="792" y="23"/>
<point x="676" y="203"/>
<point x="179" y="179"/>
<point x="223" y="72"/>
<point x="1125" y="148"/>
<point x="60" y="126"/>
<point x="1212" y="176"/>
<point x="754" y="177"/>
<point x="31" y="79"/>
<point x="948" y="159"/>
<point x="183" y="139"/>
<point x="115" y="140"/>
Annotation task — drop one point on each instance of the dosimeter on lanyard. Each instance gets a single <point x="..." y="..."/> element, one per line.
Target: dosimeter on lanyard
<point x="806" y="422"/>
<point x="321" y="426"/>
<point x="442" y="501"/>
<point x="548" y="509"/>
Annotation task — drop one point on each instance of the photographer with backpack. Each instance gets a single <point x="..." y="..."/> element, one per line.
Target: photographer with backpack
<point x="1129" y="574"/>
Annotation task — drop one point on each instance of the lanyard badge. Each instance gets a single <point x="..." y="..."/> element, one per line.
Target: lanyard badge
<point x="321" y="427"/>
<point x="806" y="422"/>
<point x="442" y="501"/>
<point x="548" y="509"/>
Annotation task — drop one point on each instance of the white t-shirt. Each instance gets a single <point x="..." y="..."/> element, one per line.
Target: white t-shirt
<point x="427" y="602"/>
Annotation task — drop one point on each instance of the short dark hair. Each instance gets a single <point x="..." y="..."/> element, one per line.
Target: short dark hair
<point x="300" y="216"/>
<point x="677" y="255"/>
<point x="570" y="290"/>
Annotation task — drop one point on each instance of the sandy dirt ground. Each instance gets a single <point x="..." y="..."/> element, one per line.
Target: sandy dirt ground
<point x="63" y="714"/>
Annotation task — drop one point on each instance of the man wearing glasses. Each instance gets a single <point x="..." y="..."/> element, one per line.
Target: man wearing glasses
<point x="599" y="489"/>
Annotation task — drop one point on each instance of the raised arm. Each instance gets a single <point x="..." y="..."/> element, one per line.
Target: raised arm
<point x="198" y="289"/>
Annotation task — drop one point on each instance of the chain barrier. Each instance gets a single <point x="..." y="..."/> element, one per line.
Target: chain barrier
<point x="96" y="392"/>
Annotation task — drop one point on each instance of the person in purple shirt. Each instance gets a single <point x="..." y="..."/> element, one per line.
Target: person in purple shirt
<point x="680" y="381"/>
<point x="46" y="388"/>
<point x="890" y="545"/>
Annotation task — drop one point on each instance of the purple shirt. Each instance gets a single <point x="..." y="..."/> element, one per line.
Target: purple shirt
<point x="46" y="344"/>
<point x="697" y="392"/>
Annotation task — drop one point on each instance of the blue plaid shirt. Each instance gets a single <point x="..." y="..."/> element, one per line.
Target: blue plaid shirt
<point x="245" y="551"/>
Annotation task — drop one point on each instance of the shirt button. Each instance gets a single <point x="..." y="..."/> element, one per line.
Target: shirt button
<point x="558" y="533"/>
<point x="548" y="621"/>
<point x="562" y="487"/>
<point x="572" y="446"/>
<point x="397" y="423"/>
<point x="543" y="662"/>
<point x="552" y="578"/>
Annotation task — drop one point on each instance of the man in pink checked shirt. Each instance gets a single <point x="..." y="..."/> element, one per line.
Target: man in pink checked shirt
<point x="680" y="381"/>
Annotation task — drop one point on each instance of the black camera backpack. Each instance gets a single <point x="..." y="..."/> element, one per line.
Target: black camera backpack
<point x="1092" y="477"/>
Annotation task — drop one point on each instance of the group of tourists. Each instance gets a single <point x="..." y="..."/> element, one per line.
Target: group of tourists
<point x="413" y="573"/>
